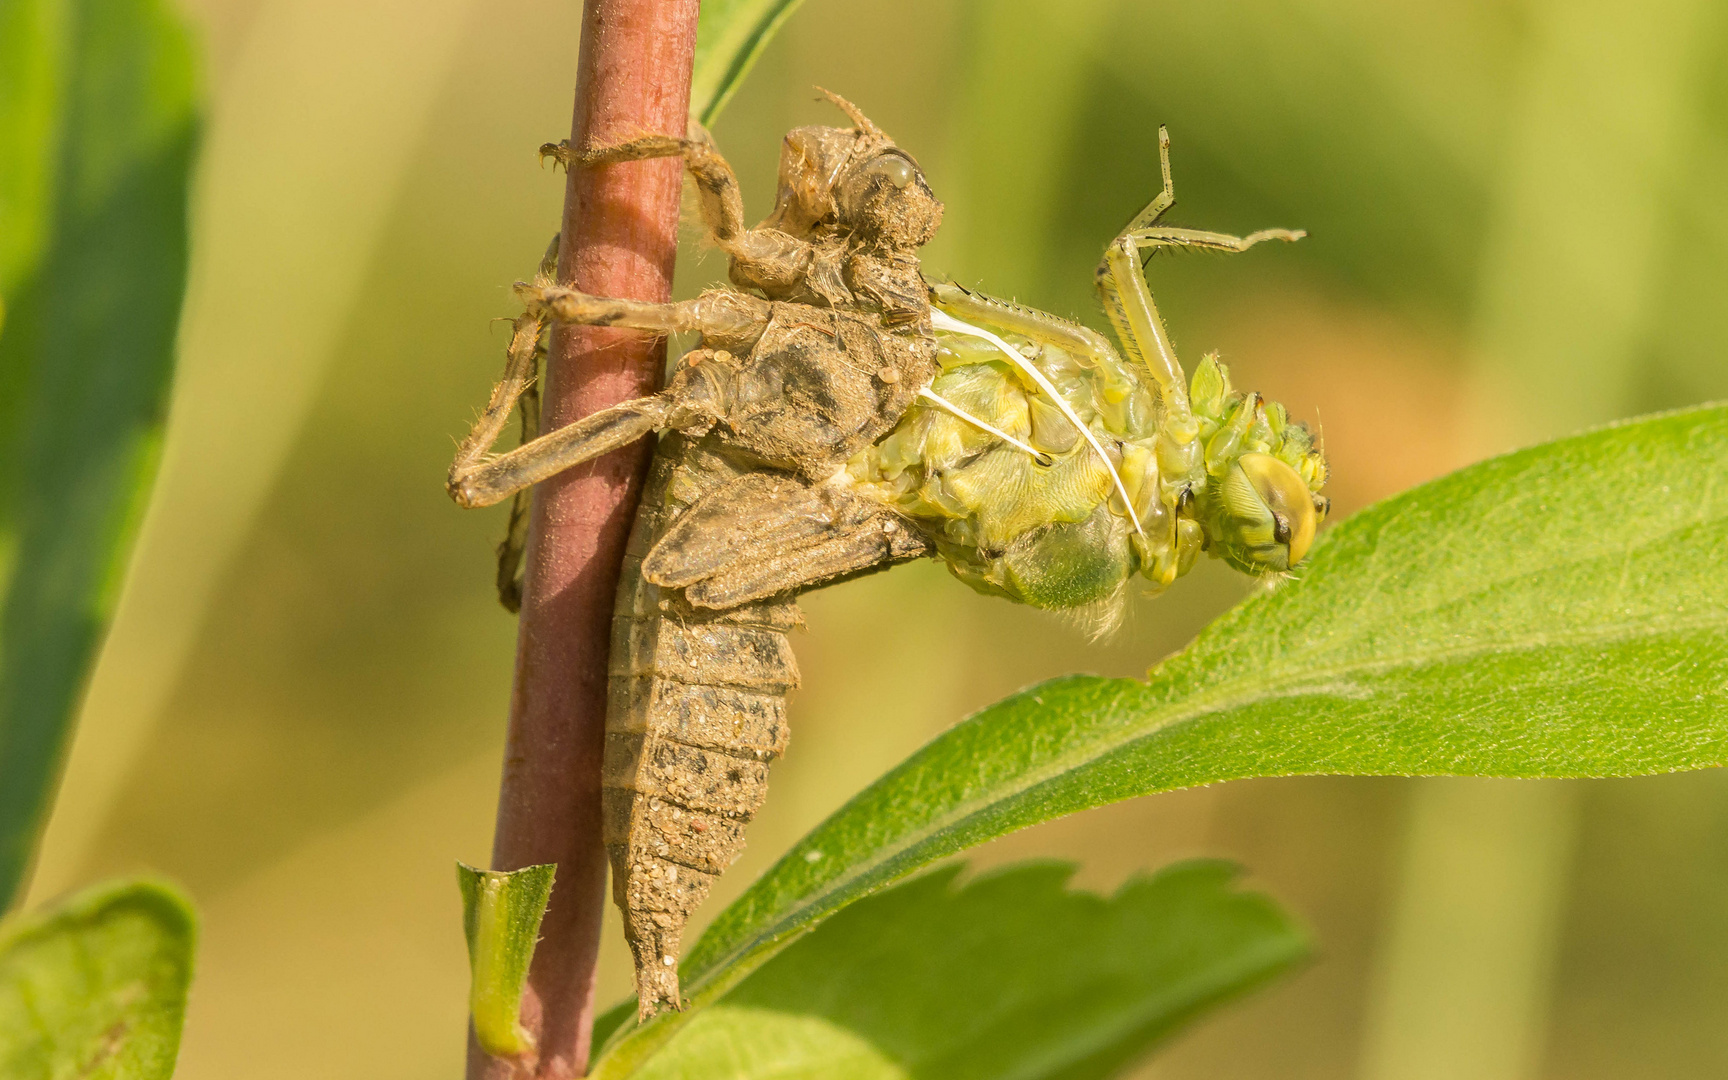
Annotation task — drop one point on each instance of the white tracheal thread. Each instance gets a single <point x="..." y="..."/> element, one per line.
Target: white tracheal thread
<point x="941" y="320"/>
<point x="1037" y="455"/>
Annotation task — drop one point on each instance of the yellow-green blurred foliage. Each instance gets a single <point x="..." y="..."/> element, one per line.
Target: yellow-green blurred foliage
<point x="1518" y="228"/>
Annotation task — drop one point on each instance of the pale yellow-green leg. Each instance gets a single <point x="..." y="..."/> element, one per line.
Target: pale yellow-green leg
<point x="1166" y="198"/>
<point x="1128" y="301"/>
<point x="1170" y="236"/>
<point x="1128" y="304"/>
<point x="1134" y="316"/>
<point x="1042" y="327"/>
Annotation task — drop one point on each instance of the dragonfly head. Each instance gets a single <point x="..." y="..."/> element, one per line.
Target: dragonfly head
<point x="1261" y="504"/>
<point x="1264" y="515"/>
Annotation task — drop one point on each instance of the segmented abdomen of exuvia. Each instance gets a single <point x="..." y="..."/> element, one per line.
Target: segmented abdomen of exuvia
<point x="696" y="710"/>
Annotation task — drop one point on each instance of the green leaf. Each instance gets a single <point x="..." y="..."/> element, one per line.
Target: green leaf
<point x="97" y="124"/>
<point x="501" y="912"/>
<point x="1009" y="975"/>
<point x="730" y="36"/>
<point x="30" y="61"/>
<point x="1560" y="611"/>
<point x="95" y="988"/>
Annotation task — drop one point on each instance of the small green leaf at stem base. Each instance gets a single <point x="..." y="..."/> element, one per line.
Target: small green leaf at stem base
<point x="95" y="987"/>
<point x="501" y="912"/>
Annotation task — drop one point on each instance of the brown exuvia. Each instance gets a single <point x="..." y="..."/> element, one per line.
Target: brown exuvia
<point x="818" y="350"/>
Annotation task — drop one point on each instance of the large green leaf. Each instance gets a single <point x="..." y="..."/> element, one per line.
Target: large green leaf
<point x="730" y="35"/>
<point x="97" y="121"/>
<point x="95" y="988"/>
<point x="1009" y="976"/>
<point x="1560" y="611"/>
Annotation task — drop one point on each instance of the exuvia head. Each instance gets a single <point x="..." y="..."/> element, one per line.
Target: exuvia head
<point x="855" y="180"/>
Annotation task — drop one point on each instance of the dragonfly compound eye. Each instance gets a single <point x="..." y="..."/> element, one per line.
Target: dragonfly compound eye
<point x="885" y="197"/>
<point x="893" y="168"/>
<point x="1268" y="515"/>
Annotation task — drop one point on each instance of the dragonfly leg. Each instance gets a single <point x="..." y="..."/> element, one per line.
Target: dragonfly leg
<point x="758" y="255"/>
<point x="521" y="366"/>
<point x="725" y="317"/>
<point x="515" y="542"/>
<point x="971" y="305"/>
<point x="1166" y="236"/>
<point x="1140" y="329"/>
<point x="1133" y="315"/>
<point x="722" y="201"/>
<point x="1166" y="197"/>
<point x="519" y="389"/>
<point x="765" y="534"/>
<point x="479" y="479"/>
<point x="1128" y="301"/>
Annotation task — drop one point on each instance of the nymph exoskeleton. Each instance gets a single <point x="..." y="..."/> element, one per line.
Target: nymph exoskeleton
<point x="787" y="384"/>
<point x="837" y="422"/>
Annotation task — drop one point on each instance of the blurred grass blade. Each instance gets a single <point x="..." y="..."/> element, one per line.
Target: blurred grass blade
<point x="31" y="44"/>
<point x="501" y="912"/>
<point x="1559" y="611"/>
<point x="96" y="987"/>
<point x="98" y="115"/>
<point x="730" y="36"/>
<point x="1009" y="975"/>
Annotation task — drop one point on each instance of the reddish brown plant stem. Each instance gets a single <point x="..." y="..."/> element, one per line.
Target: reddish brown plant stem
<point x="620" y="237"/>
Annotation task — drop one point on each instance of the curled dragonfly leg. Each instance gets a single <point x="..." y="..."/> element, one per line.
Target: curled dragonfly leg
<point x="722" y="200"/>
<point x="518" y="389"/>
<point x="1140" y="329"/>
<point x="520" y="368"/>
<point x="1128" y="301"/>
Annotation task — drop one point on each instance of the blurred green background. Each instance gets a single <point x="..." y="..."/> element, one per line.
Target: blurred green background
<point x="1518" y="229"/>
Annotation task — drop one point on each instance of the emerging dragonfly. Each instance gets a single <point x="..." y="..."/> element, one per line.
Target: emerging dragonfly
<point x="839" y="414"/>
